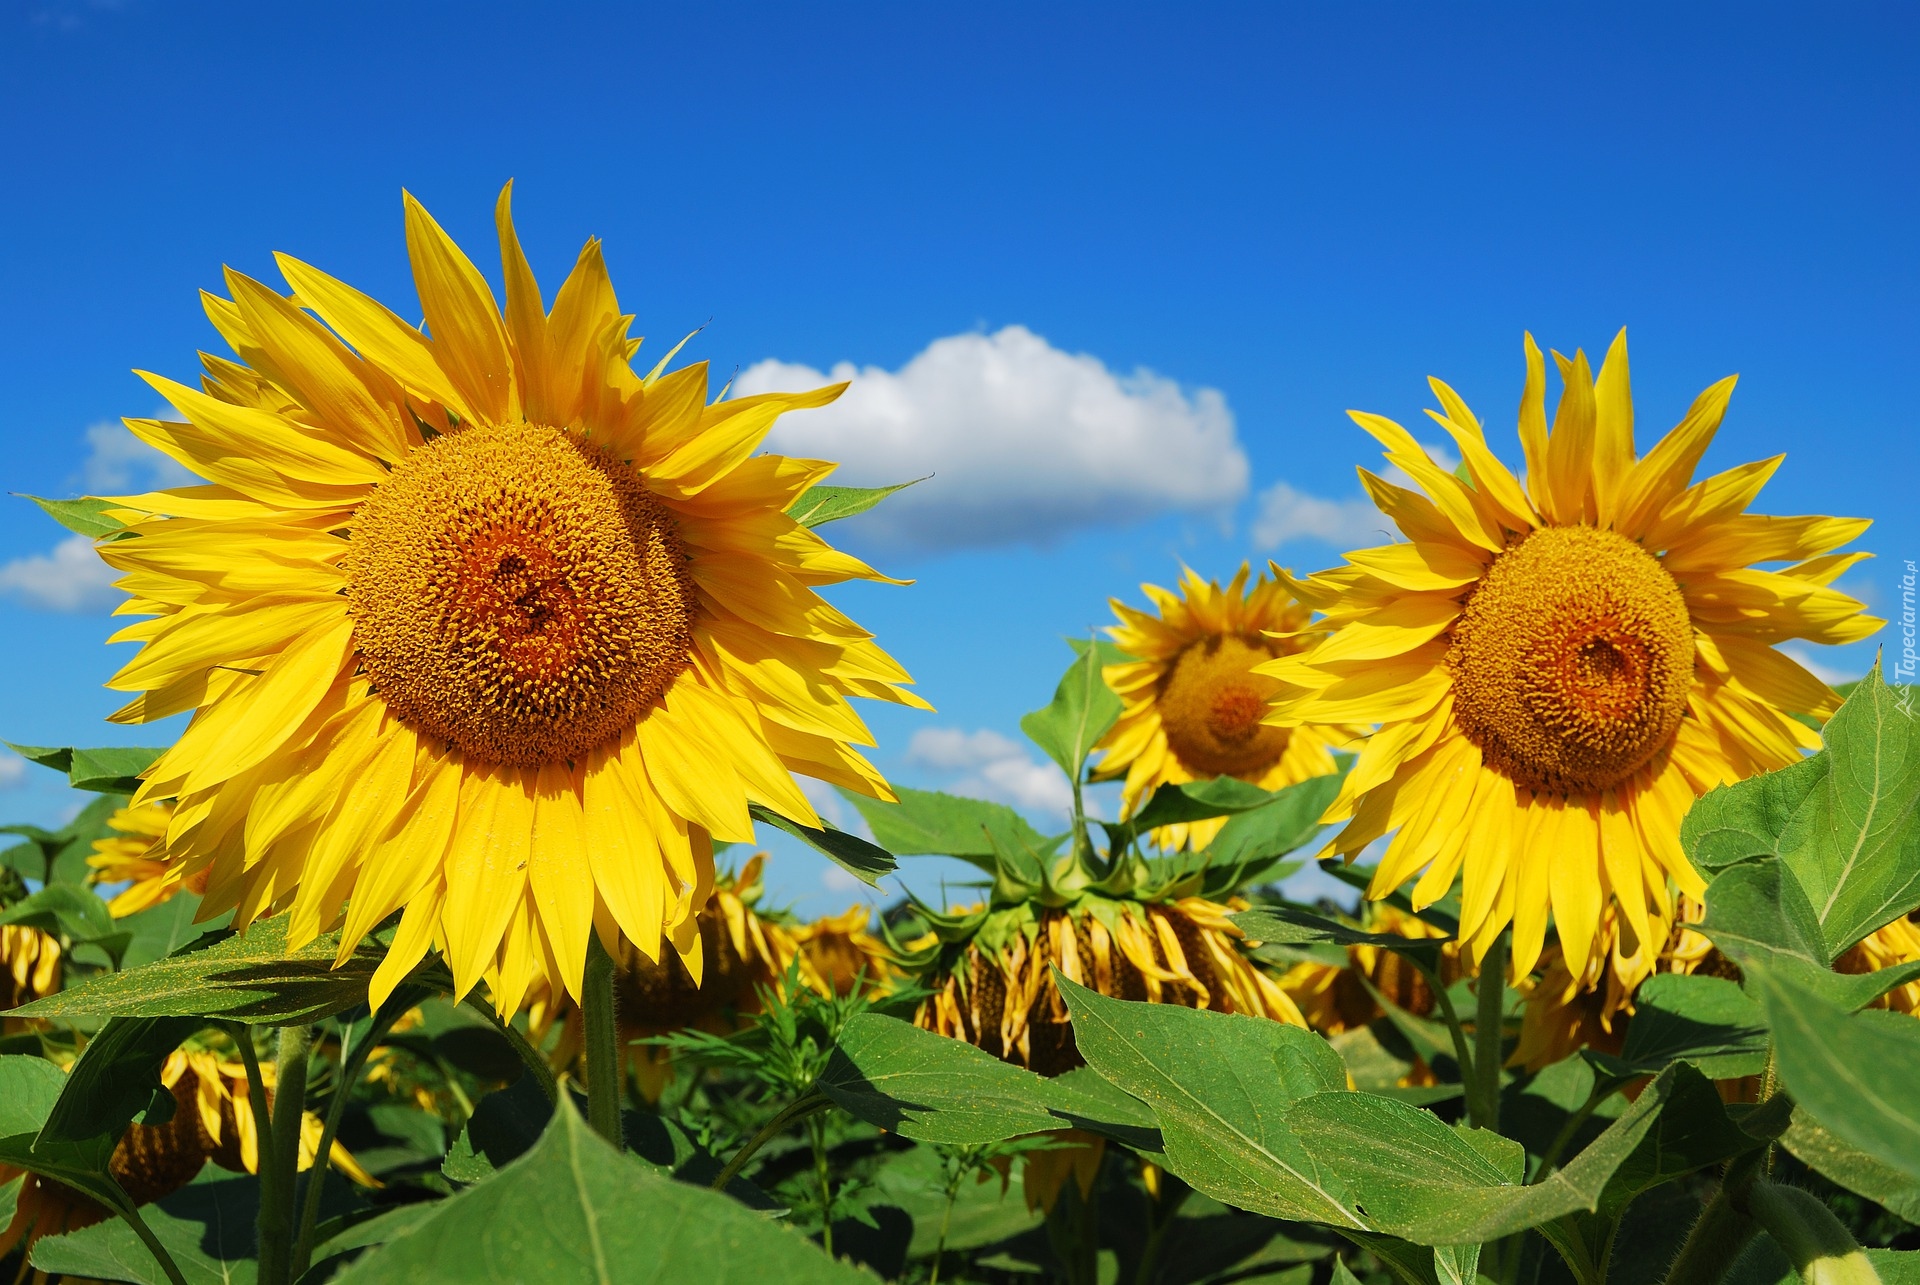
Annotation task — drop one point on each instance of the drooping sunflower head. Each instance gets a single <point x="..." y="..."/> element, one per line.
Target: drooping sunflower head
<point x="1556" y="669"/>
<point x="478" y="623"/>
<point x="1193" y="702"/>
<point x="30" y="964"/>
<point x="136" y="856"/>
<point x="1339" y="997"/>
<point x="991" y="970"/>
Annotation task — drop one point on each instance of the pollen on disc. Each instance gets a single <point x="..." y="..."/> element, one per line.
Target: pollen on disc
<point x="518" y="593"/>
<point x="1571" y="660"/>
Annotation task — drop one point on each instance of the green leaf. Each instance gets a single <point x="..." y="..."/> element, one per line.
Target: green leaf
<point x="29" y="1086"/>
<point x="1222" y="796"/>
<point x="1421" y="1180"/>
<point x="115" y="1078"/>
<point x="1833" y="1158"/>
<point x="1220" y="1085"/>
<point x="1853" y="1074"/>
<point x="1855" y="844"/>
<point x="929" y="823"/>
<point x="159" y="931"/>
<point x="250" y="977"/>
<point x="573" y="1209"/>
<point x="1708" y="1021"/>
<point x="1282" y="826"/>
<point x="208" y="1228"/>
<point x="1291" y="926"/>
<point x="822" y="504"/>
<point x="1733" y="822"/>
<point x="111" y="769"/>
<point x="63" y="908"/>
<point x="1082" y="710"/>
<point x="1758" y="914"/>
<point x="87" y="516"/>
<point x="927" y="1087"/>
<point x="864" y="861"/>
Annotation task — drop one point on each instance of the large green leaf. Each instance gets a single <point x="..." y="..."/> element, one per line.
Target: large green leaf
<point x="1845" y="822"/>
<point x="1708" y="1021"/>
<point x="929" y="823"/>
<point x="822" y="504"/>
<point x="1082" y="709"/>
<point x="930" y="1088"/>
<point x="1759" y="915"/>
<point x="1222" y="796"/>
<point x="115" y="1079"/>
<point x="1279" y="827"/>
<point x="573" y="1209"/>
<point x="864" y="861"/>
<point x="159" y="931"/>
<point x="1855" y="843"/>
<point x="1821" y="1150"/>
<point x="1854" y="1074"/>
<point x="207" y="1227"/>
<point x="1416" y="1178"/>
<point x="1220" y="1085"/>
<point x="29" y="1088"/>
<point x="249" y="977"/>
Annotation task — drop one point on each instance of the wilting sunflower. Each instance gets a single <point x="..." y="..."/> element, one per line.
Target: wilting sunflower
<point x="1336" y="999"/>
<point x="744" y="953"/>
<point x="29" y="969"/>
<point x="1558" y="669"/>
<point x="136" y="856"/>
<point x="991" y="968"/>
<point x="478" y="623"/>
<point x="1193" y="700"/>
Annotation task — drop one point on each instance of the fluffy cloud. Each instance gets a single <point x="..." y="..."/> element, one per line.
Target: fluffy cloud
<point x="1024" y="442"/>
<point x="1285" y="514"/>
<point x="70" y="578"/>
<point x="13" y="771"/>
<point x="1816" y="663"/>
<point x="988" y="765"/>
<point x="118" y="463"/>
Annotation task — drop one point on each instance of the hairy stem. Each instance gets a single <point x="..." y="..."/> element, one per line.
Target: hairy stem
<point x="605" y="1083"/>
<point x="799" y="1109"/>
<point x="160" y="1255"/>
<point x="1721" y="1232"/>
<point x="530" y="1057"/>
<point x="280" y="1155"/>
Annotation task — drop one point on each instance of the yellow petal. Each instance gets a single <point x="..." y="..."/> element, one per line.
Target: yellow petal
<point x="469" y="342"/>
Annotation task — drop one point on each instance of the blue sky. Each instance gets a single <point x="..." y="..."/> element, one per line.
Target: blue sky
<point x="1217" y="227"/>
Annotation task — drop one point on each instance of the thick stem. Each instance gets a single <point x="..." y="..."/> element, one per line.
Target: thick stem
<point x="1814" y="1241"/>
<point x="280" y="1155"/>
<point x="798" y="1109"/>
<point x="1721" y="1232"/>
<point x="1488" y="1034"/>
<point x="817" y="1135"/>
<point x="351" y="1064"/>
<point x="605" y="1084"/>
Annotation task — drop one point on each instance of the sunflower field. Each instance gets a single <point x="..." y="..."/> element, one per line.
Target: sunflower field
<point x="437" y="948"/>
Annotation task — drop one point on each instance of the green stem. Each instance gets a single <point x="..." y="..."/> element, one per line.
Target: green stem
<point x="817" y="1135"/>
<point x="129" y="1212"/>
<point x="529" y="1056"/>
<point x="262" y="1125"/>
<point x="1161" y="1216"/>
<point x="1721" y="1232"/>
<point x="351" y="1064"/>
<point x="280" y="1156"/>
<point x="1561" y="1140"/>
<point x="597" y="1012"/>
<point x="1814" y="1241"/>
<point x="1462" y="1052"/>
<point x="946" y="1224"/>
<point x="798" y="1109"/>
<point x="1488" y="1034"/>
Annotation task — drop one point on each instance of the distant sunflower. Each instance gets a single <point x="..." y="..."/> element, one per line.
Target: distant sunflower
<point x="1557" y="670"/>
<point x="30" y="966"/>
<point x="136" y="856"/>
<point x="1334" y="1000"/>
<point x="477" y="623"/>
<point x="1193" y="700"/>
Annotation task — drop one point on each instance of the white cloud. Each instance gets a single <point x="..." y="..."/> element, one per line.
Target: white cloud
<point x="118" y="463"/>
<point x="991" y="766"/>
<point x="1285" y="513"/>
<point x="1811" y="661"/>
<point x="1024" y="442"/>
<point x="70" y="578"/>
<point x="13" y="771"/>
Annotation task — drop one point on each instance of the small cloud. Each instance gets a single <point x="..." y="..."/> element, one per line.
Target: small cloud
<point x="13" y="771"/>
<point x="835" y="879"/>
<point x="71" y="578"/>
<point x="991" y="766"/>
<point x="1442" y="456"/>
<point x="1286" y="515"/>
<point x="1810" y="661"/>
<point x="1024" y="442"/>
<point x="118" y="463"/>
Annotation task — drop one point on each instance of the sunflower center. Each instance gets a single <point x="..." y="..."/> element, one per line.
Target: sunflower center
<point x="518" y="593"/>
<point x="1571" y="660"/>
<point x="1212" y="705"/>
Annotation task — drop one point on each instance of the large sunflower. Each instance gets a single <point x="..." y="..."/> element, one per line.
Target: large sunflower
<point x="477" y="623"/>
<point x="1192" y="699"/>
<point x="1558" y="669"/>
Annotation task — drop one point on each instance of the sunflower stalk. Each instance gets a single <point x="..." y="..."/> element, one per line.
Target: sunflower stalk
<point x="605" y="1083"/>
<point x="1483" y="1097"/>
<point x="280" y="1155"/>
<point x="798" y="1109"/>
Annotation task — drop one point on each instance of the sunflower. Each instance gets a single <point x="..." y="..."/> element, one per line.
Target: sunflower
<point x="477" y="623"/>
<point x="840" y="954"/>
<point x="29" y="965"/>
<point x="136" y="856"/>
<point x="1192" y="699"/>
<point x="1557" y="670"/>
<point x="991" y="969"/>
